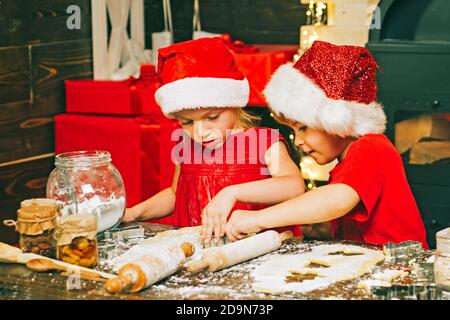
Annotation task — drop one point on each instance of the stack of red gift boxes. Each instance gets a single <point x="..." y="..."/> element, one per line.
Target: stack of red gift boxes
<point x="123" y="118"/>
<point x="259" y="65"/>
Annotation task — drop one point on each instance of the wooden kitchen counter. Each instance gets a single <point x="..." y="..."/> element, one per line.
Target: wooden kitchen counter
<point x="18" y="282"/>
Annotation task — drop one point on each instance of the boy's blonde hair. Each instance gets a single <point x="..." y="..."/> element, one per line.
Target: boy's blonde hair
<point x="246" y="120"/>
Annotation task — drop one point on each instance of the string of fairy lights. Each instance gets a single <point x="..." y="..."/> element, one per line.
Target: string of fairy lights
<point x="316" y="15"/>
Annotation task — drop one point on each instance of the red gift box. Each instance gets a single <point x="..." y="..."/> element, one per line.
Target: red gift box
<point x="259" y="66"/>
<point x="140" y="149"/>
<point x="129" y="97"/>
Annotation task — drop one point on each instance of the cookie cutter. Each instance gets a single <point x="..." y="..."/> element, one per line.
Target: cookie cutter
<point x="213" y="243"/>
<point x="405" y="292"/>
<point x="126" y="234"/>
<point x="423" y="272"/>
<point x="397" y="252"/>
<point x="380" y="292"/>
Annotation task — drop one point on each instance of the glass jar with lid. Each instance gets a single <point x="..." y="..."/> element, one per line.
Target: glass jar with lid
<point x="87" y="182"/>
<point x="442" y="260"/>
<point x="36" y="223"/>
<point x="76" y="239"/>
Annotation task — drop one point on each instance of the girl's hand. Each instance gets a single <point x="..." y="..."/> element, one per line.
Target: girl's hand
<point x="242" y="223"/>
<point x="215" y="214"/>
<point x="131" y="214"/>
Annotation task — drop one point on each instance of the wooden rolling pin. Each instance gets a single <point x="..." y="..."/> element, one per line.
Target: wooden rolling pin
<point x="231" y="254"/>
<point x="149" y="269"/>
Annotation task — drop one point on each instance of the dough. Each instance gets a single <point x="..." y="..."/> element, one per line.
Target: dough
<point x="182" y="232"/>
<point x="388" y="275"/>
<point x="317" y="269"/>
<point x="381" y="279"/>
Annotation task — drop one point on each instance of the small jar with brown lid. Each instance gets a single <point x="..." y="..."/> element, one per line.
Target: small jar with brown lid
<point x="36" y="223"/>
<point x="76" y="238"/>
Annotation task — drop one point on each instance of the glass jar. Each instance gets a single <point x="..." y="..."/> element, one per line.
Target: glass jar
<point x="76" y="238"/>
<point x="442" y="260"/>
<point x="36" y="223"/>
<point x="88" y="182"/>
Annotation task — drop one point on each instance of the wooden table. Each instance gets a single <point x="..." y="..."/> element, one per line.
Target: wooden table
<point x="18" y="282"/>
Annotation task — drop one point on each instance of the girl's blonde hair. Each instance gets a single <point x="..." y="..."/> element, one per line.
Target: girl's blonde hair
<point x="281" y="118"/>
<point x="246" y="120"/>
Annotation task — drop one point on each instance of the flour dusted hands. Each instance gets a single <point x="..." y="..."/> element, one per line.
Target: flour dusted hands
<point x="241" y="224"/>
<point x="215" y="214"/>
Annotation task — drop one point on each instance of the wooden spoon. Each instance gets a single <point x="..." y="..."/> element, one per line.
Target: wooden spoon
<point x="85" y="277"/>
<point x="41" y="265"/>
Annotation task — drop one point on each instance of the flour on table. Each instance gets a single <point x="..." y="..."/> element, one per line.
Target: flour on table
<point x="320" y="268"/>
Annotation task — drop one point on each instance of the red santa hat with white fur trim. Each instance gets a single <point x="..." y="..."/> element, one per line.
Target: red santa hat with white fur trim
<point x="331" y="88"/>
<point x="199" y="73"/>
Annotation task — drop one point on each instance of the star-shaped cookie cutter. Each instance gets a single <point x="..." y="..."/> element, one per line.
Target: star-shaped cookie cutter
<point x="397" y="252"/>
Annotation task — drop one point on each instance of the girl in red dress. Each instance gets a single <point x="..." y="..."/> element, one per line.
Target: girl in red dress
<point x="222" y="162"/>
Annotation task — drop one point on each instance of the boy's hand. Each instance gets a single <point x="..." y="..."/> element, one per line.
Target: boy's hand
<point x="320" y="231"/>
<point x="242" y="223"/>
<point x="131" y="214"/>
<point x="215" y="214"/>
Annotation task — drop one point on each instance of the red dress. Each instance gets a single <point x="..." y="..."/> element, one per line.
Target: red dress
<point x="203" y="173"/>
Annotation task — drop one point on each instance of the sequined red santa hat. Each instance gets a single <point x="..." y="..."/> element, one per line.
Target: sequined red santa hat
<point x="332" y="88"/>
<point x="199" y="73"/>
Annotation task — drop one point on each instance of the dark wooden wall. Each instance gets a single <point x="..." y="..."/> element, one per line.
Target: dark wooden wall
<point x="252" y="21"/>
<point x="38" y="52"/>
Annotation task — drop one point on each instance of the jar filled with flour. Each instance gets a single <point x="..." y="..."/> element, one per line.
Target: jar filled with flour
<point x="86" y="182"/>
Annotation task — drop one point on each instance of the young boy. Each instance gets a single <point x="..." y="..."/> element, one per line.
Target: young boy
<point x="329" y="99"/>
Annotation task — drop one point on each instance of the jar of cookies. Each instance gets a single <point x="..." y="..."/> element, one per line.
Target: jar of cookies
<point x="36" y="223"/>
<point x="76" y="239"/>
